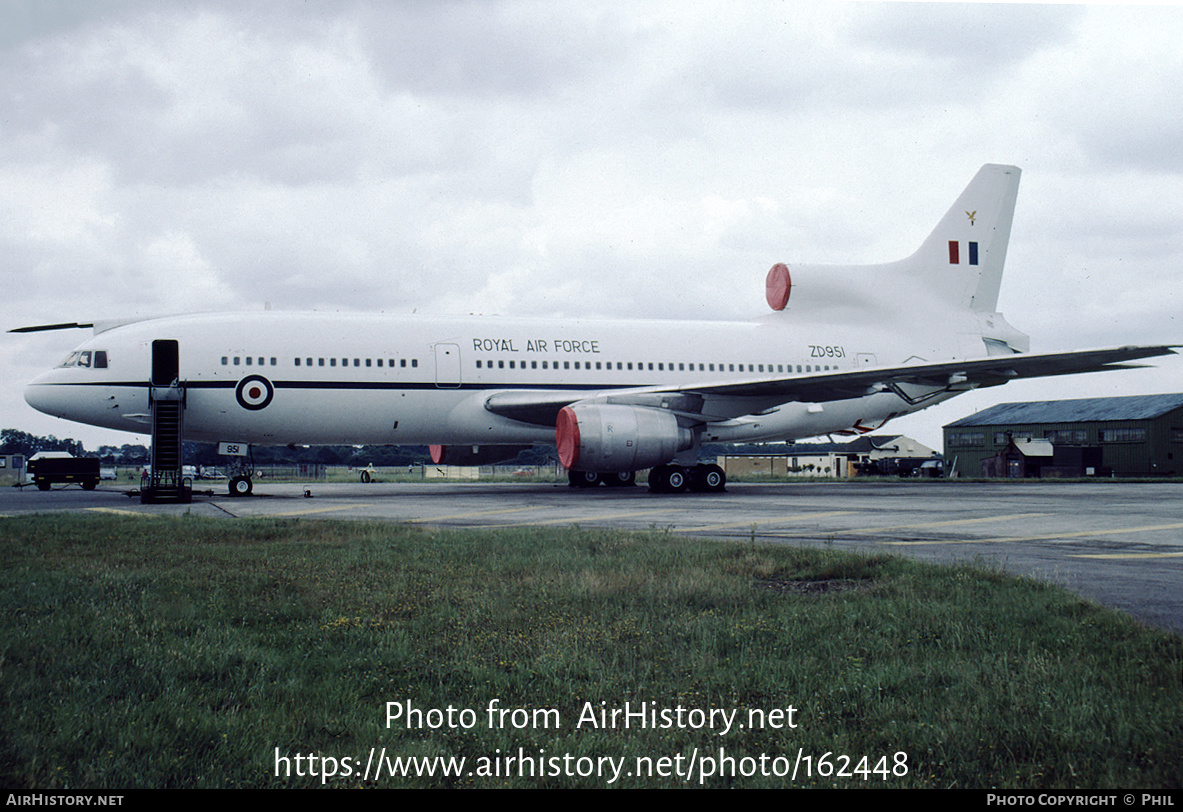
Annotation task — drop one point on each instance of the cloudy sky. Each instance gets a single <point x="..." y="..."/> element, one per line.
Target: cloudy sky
<point x="577" y="159"/>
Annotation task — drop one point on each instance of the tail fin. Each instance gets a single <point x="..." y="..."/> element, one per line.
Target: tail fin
<point x="957" y="268"/>
<point x="962" y="258"/>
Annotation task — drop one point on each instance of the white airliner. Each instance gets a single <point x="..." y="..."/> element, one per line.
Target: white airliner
<point x="846" y="349"/>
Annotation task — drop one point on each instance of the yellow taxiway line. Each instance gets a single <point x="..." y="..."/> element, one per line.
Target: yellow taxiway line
<point x="1113" y="531"/>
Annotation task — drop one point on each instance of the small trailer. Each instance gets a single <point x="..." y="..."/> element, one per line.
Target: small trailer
<point x="54" y="468"/>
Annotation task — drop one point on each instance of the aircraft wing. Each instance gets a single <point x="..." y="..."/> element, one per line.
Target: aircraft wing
<point x="41" y="328"/>
<point x="99" y="325"/>
<point x="914" y="382"/>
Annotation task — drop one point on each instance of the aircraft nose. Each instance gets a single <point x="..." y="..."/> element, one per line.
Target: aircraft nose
<point x="41" y="396"/>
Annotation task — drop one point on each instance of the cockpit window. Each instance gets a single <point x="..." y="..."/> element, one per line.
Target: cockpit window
<point x="86" y="358"/>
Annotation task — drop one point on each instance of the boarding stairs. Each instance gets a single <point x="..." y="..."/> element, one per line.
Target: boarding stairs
<point x="165" y="480"/>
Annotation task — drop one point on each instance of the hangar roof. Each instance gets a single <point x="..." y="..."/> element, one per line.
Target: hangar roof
<point x="1136" y="407"/>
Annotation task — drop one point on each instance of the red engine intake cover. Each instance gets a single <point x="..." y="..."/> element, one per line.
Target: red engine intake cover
<point x="777" y="286"/>
<point x="567" y="437"/>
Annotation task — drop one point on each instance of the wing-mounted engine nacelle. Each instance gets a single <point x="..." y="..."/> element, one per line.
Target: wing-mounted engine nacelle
<point x="474" y="454"/>
<point x="617" y="438"/>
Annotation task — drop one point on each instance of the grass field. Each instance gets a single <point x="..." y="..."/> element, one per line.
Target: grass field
<point x="156" y="652"/>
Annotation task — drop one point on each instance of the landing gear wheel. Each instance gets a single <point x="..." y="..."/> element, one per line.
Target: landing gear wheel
<point x="708" y="479"/>
<point x="583" y="479"/>
<point x="668" y="479"/>
<point x="625" y="479"/>
<point x="241" y="486"/>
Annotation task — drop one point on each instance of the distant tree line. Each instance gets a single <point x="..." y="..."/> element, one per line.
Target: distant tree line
<point x="13" y="441"/>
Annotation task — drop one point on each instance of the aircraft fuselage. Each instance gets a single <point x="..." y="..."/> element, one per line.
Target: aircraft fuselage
<point x="316" y="378"/>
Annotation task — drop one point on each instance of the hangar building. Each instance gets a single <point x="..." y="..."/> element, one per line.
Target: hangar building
<point x="1141" y="435"/>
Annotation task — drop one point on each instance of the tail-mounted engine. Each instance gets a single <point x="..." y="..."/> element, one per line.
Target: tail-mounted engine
<point x="617" y="438"/>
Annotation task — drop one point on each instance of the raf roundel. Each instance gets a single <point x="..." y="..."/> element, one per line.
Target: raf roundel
<point x="254" y="392"/>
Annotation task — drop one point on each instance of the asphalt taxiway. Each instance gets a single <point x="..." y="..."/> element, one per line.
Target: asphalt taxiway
<point x="1120" y="544"/>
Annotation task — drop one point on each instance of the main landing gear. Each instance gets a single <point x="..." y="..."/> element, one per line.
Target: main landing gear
<point x="590" y="479"/>
<point x="662" y="479"/>
<point x="695" y="478"/>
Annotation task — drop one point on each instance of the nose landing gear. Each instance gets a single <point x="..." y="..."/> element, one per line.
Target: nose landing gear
<point x="241" y="485"/>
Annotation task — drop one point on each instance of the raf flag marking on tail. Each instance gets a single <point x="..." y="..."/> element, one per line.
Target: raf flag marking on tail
<point x="955" y="252"/>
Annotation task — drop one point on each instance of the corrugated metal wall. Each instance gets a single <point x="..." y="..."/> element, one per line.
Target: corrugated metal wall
<point x="1159" y="452"/>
